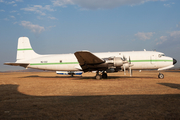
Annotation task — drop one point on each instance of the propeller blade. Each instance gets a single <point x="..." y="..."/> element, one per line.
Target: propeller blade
<point x="129" y="60"/>
<point x="130" y="71"/>
<point x="124" y="70"/>
<point x="123" y="58"/>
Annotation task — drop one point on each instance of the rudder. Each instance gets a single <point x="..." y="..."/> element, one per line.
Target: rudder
<point x="24" y="49"/>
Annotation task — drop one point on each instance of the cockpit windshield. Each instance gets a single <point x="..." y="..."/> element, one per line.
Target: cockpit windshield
<point x="160" y="55"/>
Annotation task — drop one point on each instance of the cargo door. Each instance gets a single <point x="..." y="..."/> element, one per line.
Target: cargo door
<point x="153" y="60"/>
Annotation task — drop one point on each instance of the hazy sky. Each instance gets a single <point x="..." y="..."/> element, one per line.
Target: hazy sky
<point x="66" y="26"/>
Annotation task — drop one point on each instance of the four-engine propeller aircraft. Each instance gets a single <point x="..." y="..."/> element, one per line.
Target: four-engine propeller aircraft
<point x="84" y="61"/>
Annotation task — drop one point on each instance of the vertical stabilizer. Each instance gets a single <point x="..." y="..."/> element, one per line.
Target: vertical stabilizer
<point x="24" y="49"/>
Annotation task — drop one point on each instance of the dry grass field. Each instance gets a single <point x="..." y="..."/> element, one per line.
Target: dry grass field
<point x="46" y="95"/>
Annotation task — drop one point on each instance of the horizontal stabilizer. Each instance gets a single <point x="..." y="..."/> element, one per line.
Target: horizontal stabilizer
<point x="18" y="64"/>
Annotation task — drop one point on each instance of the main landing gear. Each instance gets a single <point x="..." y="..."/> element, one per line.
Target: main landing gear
<point x="161" y="76"/>
<point x="99" y="76"/>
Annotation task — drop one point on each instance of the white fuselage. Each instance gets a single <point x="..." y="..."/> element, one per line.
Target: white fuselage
<point x="68" y="62"/>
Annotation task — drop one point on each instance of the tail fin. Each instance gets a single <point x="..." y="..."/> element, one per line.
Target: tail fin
<point x="24" y="50"/>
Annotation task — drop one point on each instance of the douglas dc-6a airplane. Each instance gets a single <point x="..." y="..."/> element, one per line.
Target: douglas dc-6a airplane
<point x="84" y="61"/>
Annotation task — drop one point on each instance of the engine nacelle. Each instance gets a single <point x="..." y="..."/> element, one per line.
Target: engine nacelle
<point x="118" y="62"/>
<point x="114" y="61"/>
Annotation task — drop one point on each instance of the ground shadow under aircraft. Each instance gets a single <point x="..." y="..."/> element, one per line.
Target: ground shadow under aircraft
<point x="86" y="77"/>
<point x="171" y="85"/>
<point x="16" y="105"/>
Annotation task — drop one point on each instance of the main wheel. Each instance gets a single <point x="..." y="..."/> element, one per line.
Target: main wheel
<point x="104" y="75"/>
<point x="98" y="77"/>
<point x="161" y="76"/>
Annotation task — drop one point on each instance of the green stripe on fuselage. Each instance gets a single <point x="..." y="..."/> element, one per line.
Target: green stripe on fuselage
<point x="78" y="63"/>
<point x="151" y="60"/>
<point x="24" y="49"/>
<point x="54" y="63"/>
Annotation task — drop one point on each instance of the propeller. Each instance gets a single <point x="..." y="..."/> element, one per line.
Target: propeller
<point x="130" y="66"/>
<point x="127" y="64"/>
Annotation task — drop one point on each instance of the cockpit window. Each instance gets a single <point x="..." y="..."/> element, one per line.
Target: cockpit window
<point x="160" y="55"/>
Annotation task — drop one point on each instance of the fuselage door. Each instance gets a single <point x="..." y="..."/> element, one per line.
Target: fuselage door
<point x="153" y="60"/>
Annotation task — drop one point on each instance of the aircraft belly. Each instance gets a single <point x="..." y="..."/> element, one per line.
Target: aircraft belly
<point x="71" y="67"/>
<point x="164" y="64"/>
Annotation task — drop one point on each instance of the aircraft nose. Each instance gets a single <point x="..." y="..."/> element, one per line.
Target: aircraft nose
<point x="174" y="61"/>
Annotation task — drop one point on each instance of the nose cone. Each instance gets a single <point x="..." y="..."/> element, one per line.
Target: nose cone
<point x="174" y="61"/>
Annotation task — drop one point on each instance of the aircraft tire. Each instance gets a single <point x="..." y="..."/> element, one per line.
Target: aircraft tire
<point x="104" y="75"/>
<point x="98" y="77"/>
<point x="161" y="76"/>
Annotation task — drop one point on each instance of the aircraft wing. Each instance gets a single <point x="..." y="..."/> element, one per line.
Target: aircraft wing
<point x="18" y="64"/>
<point x="87" y="58"/>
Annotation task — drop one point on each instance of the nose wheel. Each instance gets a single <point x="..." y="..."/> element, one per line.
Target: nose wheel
<point x="161" y="76"/>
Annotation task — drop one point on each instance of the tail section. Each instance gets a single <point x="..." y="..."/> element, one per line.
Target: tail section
<point x="24" y="50"/>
